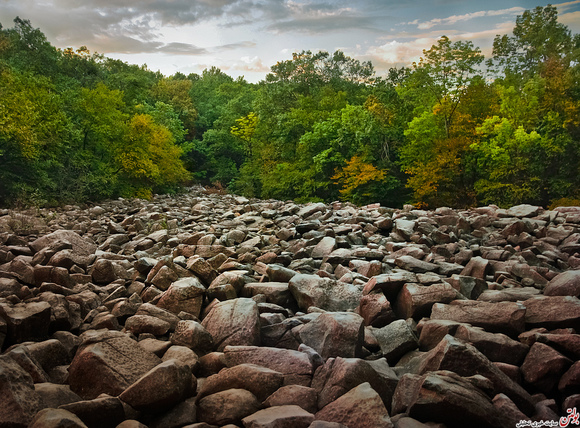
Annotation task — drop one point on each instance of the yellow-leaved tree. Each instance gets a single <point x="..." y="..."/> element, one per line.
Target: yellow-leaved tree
<point x="149" y="157"/>
<point x="357" y="179"/>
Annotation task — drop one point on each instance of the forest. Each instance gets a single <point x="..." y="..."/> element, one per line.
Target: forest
<point x="453" y="129"/>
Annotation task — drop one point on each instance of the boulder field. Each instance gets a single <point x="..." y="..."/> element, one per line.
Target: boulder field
<point x="209" y="310"/>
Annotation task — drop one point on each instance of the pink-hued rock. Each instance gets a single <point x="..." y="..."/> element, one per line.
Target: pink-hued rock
<point x="260" y="381"/>
<point x="234" y="322"/>
<point x="298" y="395"/>
<point x="340" y="375"/>
<point x="503" y="317"/>
<point x="361" y="407"/>
<point x="108" y="362"/>
<point x="564" y="284"/>
<point x="184" y="295"/>
<point x="193" y="335"/>
<point x="227" y="407"/>
<point x="20" y="402"/>
<point x="161" y="387"/>
<point x="495" y="346"/>
<point x="544" y="366"/>
<point x="288" y="416"/>
<point x="294" y="365"/>
<point x="553" y="312"/>
<point x="376" y="310"/>
<point x="335" y="334"/>
<point x="56" y="418"/>
<point x="443" y="396"/>
<point x="416" y="301"/>
<point x="465" y="360"/>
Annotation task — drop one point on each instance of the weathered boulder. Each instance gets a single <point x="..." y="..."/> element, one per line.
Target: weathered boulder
<point x="564" y="284"/>
<point x="227" y="407"/>
<point x="298" y="395"/>
<point x="108" y="362"/>
<point x="444" y="396"/>
<point x="260" y="381"/>
<point x="553" y="312"/>
<point x="234" y="322"/>
<point x="163" y="386"/>
<point x="26" y="321"/>
<point x="361" y="407"/>
<point x="287" y="416"/>
<point x="185" y="295"/>
<point x="416" y="301"/>
<point x="56" y="418"/>
<point x="544" y="367"/>
<point x="294" y="365"/>
<point x="395" y="340"/>
<point x="324" y="293"/>
<point x="501" y="317"/>
<point x="20" y="401"/>
<point x="193" y="335"/>
<point x="335" y="334"/>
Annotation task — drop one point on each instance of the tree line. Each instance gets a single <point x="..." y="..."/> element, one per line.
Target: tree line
<point x="452" y="129"/>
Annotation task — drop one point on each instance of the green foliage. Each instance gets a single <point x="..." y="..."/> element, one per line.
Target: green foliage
<point x="75" y="125"/>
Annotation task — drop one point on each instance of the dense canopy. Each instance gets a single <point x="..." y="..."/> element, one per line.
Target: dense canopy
<point x="453" y="129"/>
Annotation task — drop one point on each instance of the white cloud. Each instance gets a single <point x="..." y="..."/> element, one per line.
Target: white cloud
<point x="454" y="19"/>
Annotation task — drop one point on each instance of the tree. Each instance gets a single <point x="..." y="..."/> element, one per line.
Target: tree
<point x="447" y="69"/>
<point x="537" y="37"/>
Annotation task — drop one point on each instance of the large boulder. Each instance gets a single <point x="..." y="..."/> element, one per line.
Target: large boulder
<point x="289" y="416"/>
<point x="108" y="362"/>
<point x="335" y="334"/>
<point x="564" y="284"/>
<point x="26" y="321"/>
<point x="361" y="407"/>
<point x="20" y="401"/>
<point x="184" y="295"/>
<point x="234" y="322"/>
<point x="324" y="293"/>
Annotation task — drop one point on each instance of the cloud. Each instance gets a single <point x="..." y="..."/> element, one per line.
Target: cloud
<point x="454" y="19"/>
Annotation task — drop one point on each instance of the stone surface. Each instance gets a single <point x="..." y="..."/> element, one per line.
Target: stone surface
<point x="184" y="295"/>
<point x="227" y="407"/>
<point x="108" y="362"/>
<point x="324" y="293"/>
<point x="163" y="386"/>
<point x="234" y="322"/>
<point x="395" y="340"/>
<point x="260" y="381"/>
<point x="361" y="407"/>
<point x="288" y="416"/>
<point x="20" y="401"/>
<point x="56" y="418"/>
<point x="302" y="396"/>
<point x="335" y="334"/>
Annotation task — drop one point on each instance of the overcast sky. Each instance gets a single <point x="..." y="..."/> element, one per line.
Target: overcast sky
<point x="247" y="37"/>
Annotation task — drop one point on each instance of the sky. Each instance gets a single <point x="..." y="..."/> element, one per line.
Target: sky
<point x="246" y="37"/>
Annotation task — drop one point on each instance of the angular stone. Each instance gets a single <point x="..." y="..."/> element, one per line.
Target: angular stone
<point x="20" y="402"/>
<point x="496" y="346"/>
<point x="298" y="395"/>
<point x="324" y="293"/>
<point x="544" y="367"/>
<point x="101" y="412"/>
<point x="444" y="396"/>
<point x="465" y="360"/>
<point x="340" y="375"/>
<point x="501" y="317"/>
<point x="55" y="395"/>
<point x="193" y="335"/>
<point x="564" y="284"/>
<point x="324" y="248"/>
<point x="260" y="381"/>
<point x="294" y="365"/>
<point x="277" y="293"/>
<point x="376" y="310"/>
<point x="227" y="407"/>
<point x="477" y="267"/>
<point x="431" y="332"/>
<point x="26" y="321"/>
<point x="361" y="407"/>
<point x="108" y="362"/>
<point x="56" y="418"/>
<point x="389" y="283"/>
<point x="412" y="264"/>
<point x="335" y="334"/>
<point x="234" y="322"/>
<point x="416" y="301"/>
<point x="468" y="286"/>
<point x="185" y="295"/>
<point x="183" y="354"/>
<point x="184" y="414"/>
<point x="162" y="314"/>
<point x="553" y="312"/>
<point x="289" y="416"/>
<point x="160" y="388"/>
<point x="80" y="246"/>
<point x="395" y="340"/>
<point x="508" y="294"/>
<point x="138" y="324"/>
